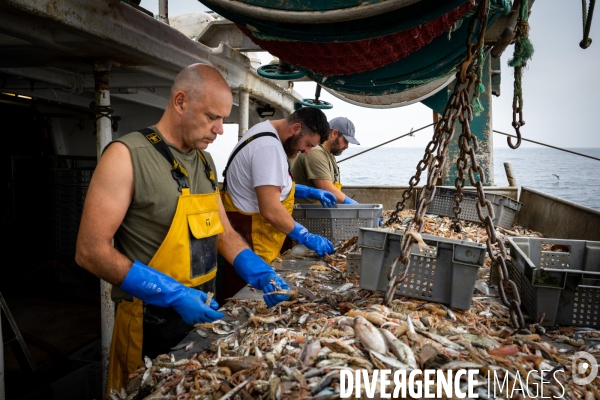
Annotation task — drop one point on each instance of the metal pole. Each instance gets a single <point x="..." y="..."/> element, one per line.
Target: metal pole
<point x="512" y="181"/>
<point x="1" y="361"/>
<point x="103" y="137"/>
<point x="244" y="112"/>
<point x="163" y="11"/>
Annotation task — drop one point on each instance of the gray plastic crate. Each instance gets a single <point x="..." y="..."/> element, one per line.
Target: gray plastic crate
<point x="505" y="208"/>
<point x="90" y="353"/>
<point x="535" y="256"/>
<point x="445" y="272"/>
<point x="353" y="263"/>
<point x="558" y="278"/>
<point x="337" y="223"/>
<point x="84" y="383"/>
<point x="576" y="302"/>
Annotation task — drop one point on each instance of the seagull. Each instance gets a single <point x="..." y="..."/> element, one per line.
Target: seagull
<point x="410" y="133"/>
<point x="557" y="177"/>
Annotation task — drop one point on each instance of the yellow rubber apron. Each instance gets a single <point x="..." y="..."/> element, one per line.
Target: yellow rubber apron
<point x="188" y="254"/>
<point x="266" y="239"/>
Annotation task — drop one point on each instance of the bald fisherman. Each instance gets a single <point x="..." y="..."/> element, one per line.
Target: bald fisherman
<point x="154" y="191"/>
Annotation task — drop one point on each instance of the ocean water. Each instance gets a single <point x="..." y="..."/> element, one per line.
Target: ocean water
<point x="534" y="167"/>
<point x="578" y="177"/>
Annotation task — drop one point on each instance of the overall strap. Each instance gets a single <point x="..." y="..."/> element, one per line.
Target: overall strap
<point x="179" y="173"/>
<point x="336" y="174"/>
<point x="208" y="170"/>
<point x="240" y="147"/>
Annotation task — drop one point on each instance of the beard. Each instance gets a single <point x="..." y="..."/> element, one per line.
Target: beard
<point x="336" y="148"/>
<point x="289" y="146"/>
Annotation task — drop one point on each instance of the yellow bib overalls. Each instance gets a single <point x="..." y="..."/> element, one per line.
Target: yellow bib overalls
<point x="189" y="255"/>
<point x="262" y="237"/>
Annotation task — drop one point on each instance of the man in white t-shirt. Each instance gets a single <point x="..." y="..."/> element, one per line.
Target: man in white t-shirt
<point x="258" y="189"/>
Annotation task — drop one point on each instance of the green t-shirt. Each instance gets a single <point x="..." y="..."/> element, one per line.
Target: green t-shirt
<point x="318" y="164"/>
<point x="151" y="212"/>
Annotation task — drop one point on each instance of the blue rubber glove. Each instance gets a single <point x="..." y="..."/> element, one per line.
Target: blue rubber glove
<point x="259" y="274"/>
<point x="161" y="290"/>
<point x="326" y="198"/>
<point x="379" y="222"/>
<point x="317" y="243"/>
<point x="348" y="200"/>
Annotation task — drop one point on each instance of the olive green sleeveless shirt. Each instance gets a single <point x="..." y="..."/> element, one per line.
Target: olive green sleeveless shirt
<point x="156" y="193"/>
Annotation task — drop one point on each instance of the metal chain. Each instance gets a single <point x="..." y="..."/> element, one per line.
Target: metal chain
<point x="517" y="106"/>
<point x="522" y="31"/>
<point x="458" y="108"/>
<point x="468" y="161"/>
<point x="499" y="260"/>
<point x="462" y="162"/>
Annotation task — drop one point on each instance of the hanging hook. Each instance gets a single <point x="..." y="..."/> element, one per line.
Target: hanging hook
<point x="587" y="24"/>
<point x="509" y="139"/>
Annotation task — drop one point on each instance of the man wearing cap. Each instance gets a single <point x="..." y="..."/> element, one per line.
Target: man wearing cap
<point x="319" y="169"/>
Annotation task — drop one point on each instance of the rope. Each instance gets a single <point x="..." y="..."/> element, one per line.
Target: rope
<point x="501" y="133"/>
<point x="548" y="145"/>
<point x="523" y="47"/>
<point x="480" y="87"/>
<point x="522" y="53"/>
<point x="389" y="141"/>
<point x="501" y="6"/>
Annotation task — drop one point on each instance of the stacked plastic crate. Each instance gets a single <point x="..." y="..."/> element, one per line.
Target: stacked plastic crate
<point x="68" y="187"/>
<point x="443" y="272"/>
<point x="558" y="279"/>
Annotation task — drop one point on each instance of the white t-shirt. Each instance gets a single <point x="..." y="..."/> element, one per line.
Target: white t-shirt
<point x="261" y="162"/>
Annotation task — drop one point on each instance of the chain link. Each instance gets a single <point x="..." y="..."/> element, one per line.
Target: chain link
<point x="457" y="109"/>
<point x="468" y="161"/>
<point x="521" y="32"/>
<point x="499" y="258"/>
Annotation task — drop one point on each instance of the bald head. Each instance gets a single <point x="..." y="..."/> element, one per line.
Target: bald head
<point x="200" y="102"/>
<point x="198" y="79"/>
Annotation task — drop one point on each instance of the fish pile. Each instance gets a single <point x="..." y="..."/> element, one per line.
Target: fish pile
<point x="442" y="226"/>
<point x="298" y="349"/>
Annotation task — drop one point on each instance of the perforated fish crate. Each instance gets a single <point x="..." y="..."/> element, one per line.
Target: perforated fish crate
<point x="444" y="272"/>
<point x="558" y="278"/>
<point x="505" y="208"/>
<point x="82" y="383"/>
<point x="90" y="353"/>
<point x="340" y="222"/>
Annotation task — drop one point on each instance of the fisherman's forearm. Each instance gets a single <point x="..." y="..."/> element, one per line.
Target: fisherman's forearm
<point x="230" y="244"/>
<point x="105" y="262"/>
<point x="326" y="184"/>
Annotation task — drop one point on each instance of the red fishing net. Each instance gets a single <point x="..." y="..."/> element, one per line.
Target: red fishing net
<point x="346" y="58"/>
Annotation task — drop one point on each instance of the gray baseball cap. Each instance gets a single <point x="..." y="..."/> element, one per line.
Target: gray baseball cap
<point x="345" y="127"/>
